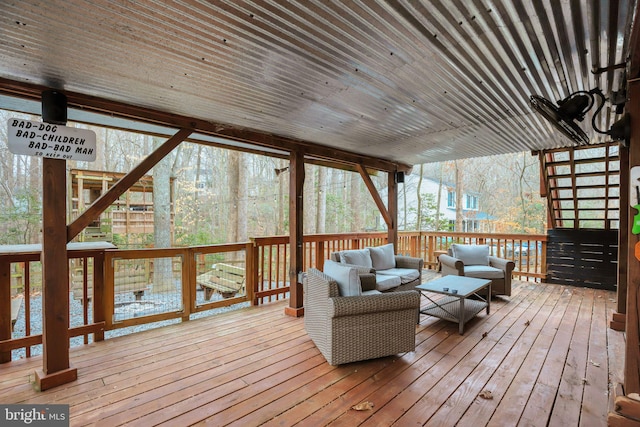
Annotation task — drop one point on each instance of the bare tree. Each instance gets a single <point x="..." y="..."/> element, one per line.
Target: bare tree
<point x="282" y="190"/>
<point x="419" y="196"/>
<point x="355" y="202"/>
<point x="197" y="186"/>
<point x="309" y="189"/>
<point x="439" y="198"/>
<point x="242" y="199"/>
<point x="321" y="204"/>
<point x="162" y="270"/>
<point x="459" y="166"/>
<point x="234" y="196"/>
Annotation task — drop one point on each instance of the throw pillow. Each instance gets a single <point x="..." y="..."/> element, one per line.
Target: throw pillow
<point x="383" y="257"/>
<point x="346" y="277"/>
<point x="471" y="254"/>
<point x="356" y="257"/>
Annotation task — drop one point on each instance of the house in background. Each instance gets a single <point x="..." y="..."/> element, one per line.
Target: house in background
<point x="474" y="220"/>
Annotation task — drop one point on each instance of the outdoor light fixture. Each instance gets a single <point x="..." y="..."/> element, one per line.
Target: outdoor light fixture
<point x="573" y="108"/>
<point x="279" y="171"/>
<point x="54" y="107"/>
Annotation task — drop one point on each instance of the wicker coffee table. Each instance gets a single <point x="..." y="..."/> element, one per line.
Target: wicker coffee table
<point x="456" y="306"/>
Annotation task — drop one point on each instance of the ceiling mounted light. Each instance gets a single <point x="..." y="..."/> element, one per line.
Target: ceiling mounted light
<point x="573" y="108"/>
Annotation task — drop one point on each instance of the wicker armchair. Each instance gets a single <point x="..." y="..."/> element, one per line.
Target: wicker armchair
<point x="475" y="261"/>
<point x="349" y="329"/>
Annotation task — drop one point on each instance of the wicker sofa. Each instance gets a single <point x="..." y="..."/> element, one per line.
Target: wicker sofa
<point x="475" y="261"/>
<point x="351" y="328"/>
<point x="391" y="272"/>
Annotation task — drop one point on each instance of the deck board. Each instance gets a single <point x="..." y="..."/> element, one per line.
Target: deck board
<point x="489" y="351"/>
<point x="546" y="354"/>
<point x="530" y="359"/>
<point x="456" y="360"/>
<point x="512" y="350"/>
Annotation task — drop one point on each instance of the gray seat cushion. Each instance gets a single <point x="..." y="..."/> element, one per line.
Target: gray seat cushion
<point x="356" y="257"/>
<point x="346" y="277"/>
<point x="471" y="254"/>
<point x="384" y="283"/>
<point x="382" y="257"/>
<point x="406" y="274"/>
<point x="483" y="272"/>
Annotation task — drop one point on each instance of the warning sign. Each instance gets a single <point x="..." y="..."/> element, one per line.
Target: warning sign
<point x="53" y="141"/>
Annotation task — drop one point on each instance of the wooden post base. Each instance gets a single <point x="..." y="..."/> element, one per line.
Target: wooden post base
<point x="46" y="381"/>
<point x="294" y="312"/>
<point x="626" y="409"/>
<point x="618" y="322"/>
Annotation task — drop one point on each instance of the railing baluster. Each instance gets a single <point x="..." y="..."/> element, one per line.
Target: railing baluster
<point x="266" y="263"/>
<point x="5" y="308"/>
<point x="27" y="303"/>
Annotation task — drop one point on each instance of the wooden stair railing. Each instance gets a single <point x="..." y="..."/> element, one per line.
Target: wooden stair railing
<point x="581" y="185"/>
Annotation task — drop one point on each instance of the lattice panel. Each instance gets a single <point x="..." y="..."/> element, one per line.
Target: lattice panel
<point x="582" y="186"/>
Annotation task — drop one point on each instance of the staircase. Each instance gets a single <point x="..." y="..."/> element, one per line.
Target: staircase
<point x="582" y="186"/>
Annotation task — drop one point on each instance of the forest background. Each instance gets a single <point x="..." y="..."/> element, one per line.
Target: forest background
<point x="221" y="195"/>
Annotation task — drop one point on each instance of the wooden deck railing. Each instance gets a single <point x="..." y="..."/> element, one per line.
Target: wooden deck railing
<point x="123" y="288"/>
<point x="528" y="251"/>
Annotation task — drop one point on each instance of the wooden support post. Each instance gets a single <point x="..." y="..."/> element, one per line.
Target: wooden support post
<point x="624" y="244"/>
<point x="98" y="293"/>
<point x="392" y="208"/>
<point x="632" y="353"/>
<point x="296" y="184"/>
<point x="5" y="308"/>
<point x="632" y="349"/>
<point x="253" y="275"/>
<point x="188" y="268"/>
<point x="55" y="278"/>
<point x="319" y="254"/>
<point x="253" y="271"/>
<point x="618" y="322"/>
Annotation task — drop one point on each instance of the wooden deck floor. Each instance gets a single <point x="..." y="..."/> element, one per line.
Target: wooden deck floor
<point x="546" y="355"/>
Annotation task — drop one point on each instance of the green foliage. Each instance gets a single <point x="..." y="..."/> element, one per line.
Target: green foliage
<point x="133" y="240"/>
<point x="530" y="215"/>
<point x="197" y="238"/>
<point x="22" y="221"/>
<point x="337" y="211"/>
<point x="213" y="259"/>
<point x="106" y="223"/>
<point x="428" y="221"/>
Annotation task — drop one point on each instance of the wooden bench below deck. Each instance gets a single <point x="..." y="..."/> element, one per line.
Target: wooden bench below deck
<point x="16" y="304"/>
<point x="226" y="279"/>
<point x="136" y="283"/>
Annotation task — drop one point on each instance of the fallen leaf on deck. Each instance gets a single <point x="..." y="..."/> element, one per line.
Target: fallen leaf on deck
<point x="585" y="381"/>
<point x="364" y="406"/>
<point x="527" y="323"/>
<point x="486" y="394"/>
<point x="596" y="364"/>
<point x="484" y="334"/>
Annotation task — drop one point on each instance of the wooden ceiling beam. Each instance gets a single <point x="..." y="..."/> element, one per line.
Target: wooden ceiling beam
<point x="161" y="118"/>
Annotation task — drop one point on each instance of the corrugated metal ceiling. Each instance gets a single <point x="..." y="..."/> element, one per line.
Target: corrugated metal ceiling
<point x="409" y="81"/>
